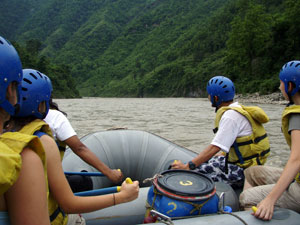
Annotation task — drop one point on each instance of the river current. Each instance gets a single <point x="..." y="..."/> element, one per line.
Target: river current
<point x="185" y="121"/>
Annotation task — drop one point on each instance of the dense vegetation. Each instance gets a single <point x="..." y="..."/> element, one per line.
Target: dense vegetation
<point x="60" y="75"/>
<point x="159" y="47"/>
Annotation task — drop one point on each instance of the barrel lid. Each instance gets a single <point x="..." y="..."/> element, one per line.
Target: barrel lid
<point x="185" y="183"/>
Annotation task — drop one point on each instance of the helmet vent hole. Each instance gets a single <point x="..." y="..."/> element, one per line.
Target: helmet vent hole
<point x="24" y="89"/>
<point x="27" y="81"/>
<point x="226" y="91"/>
<point x="1" y="42"/>
<point x="297" y="65"/>
<point x="216" y="81"/>
<point x="24" y="99"/>
<point x="291" y="63"/>
<point x="39" y="74"/>
<point x="225" y="86"/>
<point x="221" y="82"/>
<point x="34" y="76"/>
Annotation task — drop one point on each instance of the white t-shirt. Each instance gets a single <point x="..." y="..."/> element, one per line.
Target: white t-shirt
<point x="60" y="125"/>
<point x="231" y="126"/>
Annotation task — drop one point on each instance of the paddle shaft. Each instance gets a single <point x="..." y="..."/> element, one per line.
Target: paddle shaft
<point x="101" y="191"/>
<point x="97" y="174"/>
<point x="86" y="173"/>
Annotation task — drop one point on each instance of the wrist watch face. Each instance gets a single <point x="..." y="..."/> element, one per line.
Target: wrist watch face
<point x="192" y="165"/>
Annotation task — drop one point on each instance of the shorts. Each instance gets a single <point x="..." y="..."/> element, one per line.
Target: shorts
<point x="215" y="169"/>
<point x="75" y="219"/>
<point x="263" y="179"/>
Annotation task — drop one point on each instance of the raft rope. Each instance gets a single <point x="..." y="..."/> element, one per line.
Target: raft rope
<point x="206" y="215"/>
<point x="151" y="179"/>
<point x="236" y="216"/>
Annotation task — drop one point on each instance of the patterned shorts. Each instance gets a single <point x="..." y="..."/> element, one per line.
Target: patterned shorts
<point x="215" y="169"/>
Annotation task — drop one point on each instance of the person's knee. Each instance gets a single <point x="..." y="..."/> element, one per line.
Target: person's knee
<point x="250" y="170"/>
<point x="242" y="199"/>
<point x="250" y="174"/>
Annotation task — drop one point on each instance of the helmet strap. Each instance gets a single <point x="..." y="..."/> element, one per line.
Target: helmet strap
<point x="214" y="103"/>
<point x="291" y="102"/>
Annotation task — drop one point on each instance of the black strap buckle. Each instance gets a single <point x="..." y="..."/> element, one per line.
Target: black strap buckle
<point x="55" y="214"/>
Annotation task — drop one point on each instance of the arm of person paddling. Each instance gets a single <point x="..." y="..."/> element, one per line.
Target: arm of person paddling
<point x="63" y="194"/>
<point x="89" y="157"/>
<point x="266" y="207"/>
<point x="223" y="140"/>
<point x="63" y="131"/>
<point x="202" y="157"/>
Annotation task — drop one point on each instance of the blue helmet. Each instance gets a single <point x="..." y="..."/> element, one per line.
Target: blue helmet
<point x="49" y="83"/>
<point x="290" y="72"/>
<point x="222" y="87"/>
<point x="10" y="71"/>
<point x="35" y="89"/>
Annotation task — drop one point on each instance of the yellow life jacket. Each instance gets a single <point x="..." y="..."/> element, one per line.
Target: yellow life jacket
<point x="40" y="125"/>
<point x="57" y="216"/>
<point x="253" y="149"/>
<point x="11" y="145"/>
<point x="285" y="127"/>
<point x="36" y="125"/>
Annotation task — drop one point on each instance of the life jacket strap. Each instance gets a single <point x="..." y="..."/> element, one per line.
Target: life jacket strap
<point x="263" y="153"/>
<point x="256" y="140"/>
<point x="237" y="152"/>
<point x="39" y="133"/>
<point x="55" y="214"/>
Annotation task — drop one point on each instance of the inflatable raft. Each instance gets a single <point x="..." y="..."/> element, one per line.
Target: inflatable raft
<point x="141" y="155"/>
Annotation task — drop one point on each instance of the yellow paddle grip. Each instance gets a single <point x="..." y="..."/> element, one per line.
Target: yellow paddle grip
<point x="128" y="180"/>
<point x="254" y="209"/>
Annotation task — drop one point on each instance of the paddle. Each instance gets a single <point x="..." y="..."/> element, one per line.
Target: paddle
<point x="83" y="173"/>
<point x="103" y="191"/>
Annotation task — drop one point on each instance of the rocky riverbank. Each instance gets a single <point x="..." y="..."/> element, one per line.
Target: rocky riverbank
<point x="274" y="98"/>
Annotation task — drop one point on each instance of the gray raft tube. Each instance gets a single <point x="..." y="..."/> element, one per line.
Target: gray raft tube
<point x="141" y="155"/>
<point x="138" y="154"/>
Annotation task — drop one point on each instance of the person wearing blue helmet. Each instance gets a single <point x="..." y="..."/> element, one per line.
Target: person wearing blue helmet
<point x="240" y="139"/>
<point x="269" y="187"/>
<point x="63" y="205"/>
<point x="23" y="196"/>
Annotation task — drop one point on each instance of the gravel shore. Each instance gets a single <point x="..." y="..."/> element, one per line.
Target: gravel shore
<point x="274" y="98"/>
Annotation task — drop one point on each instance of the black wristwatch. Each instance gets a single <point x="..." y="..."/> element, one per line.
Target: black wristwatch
<point x="192" y="165"/>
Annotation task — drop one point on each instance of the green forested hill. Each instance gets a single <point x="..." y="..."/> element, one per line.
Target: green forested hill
<point x="161" y="47"/>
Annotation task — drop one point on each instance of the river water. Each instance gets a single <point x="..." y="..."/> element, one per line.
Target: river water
<point x="185" y="121"/>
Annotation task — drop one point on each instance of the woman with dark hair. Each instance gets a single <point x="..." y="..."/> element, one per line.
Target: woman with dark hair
<point x="61" y="201"/>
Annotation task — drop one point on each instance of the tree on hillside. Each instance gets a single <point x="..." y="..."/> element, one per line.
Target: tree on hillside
<point x="60" y="75"/>
<point x="248" y="42"/>
<point x="293" y="23"/>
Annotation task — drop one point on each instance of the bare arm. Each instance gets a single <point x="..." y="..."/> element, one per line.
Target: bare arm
<point x="202" y="157"/>
<point x="63" y="194"/>
<point x="266" y="206"/>
<point x="89" y="157"/>
<point x="27" y="198"/>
